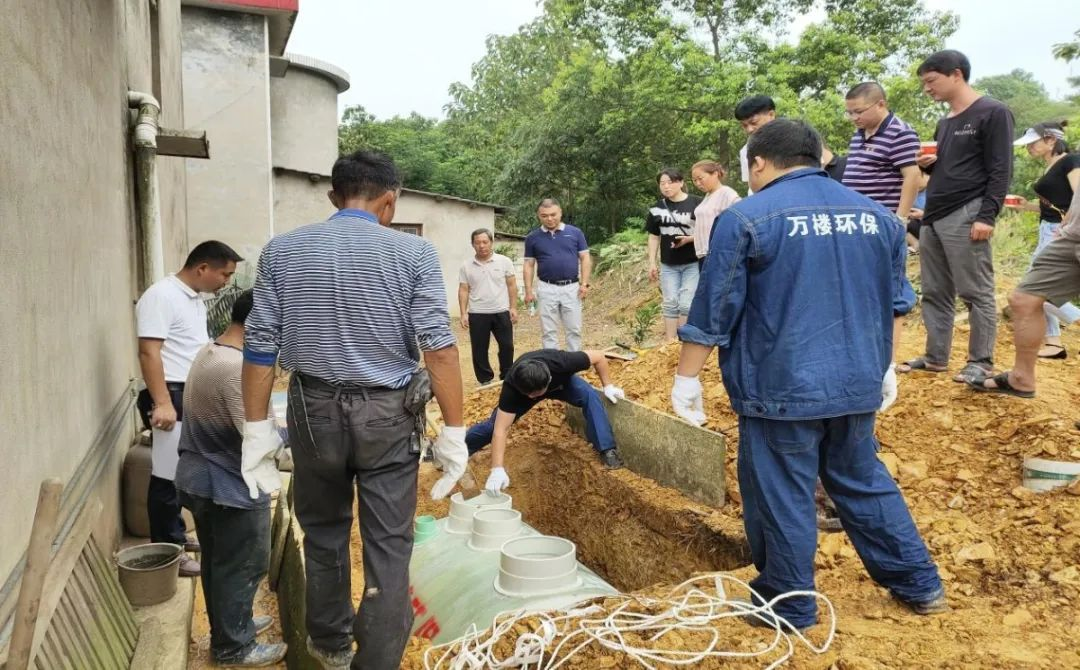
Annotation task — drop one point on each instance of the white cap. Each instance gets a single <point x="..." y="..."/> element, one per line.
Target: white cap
<point x="1037" y="133"/>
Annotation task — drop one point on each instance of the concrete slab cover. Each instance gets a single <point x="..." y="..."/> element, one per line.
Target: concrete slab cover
<point x="666" y="449"/>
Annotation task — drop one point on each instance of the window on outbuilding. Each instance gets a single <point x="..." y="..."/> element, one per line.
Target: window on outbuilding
<point x="411" y="228"/>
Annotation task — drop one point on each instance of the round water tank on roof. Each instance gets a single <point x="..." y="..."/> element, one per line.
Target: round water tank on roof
<point x="304" y="115"/>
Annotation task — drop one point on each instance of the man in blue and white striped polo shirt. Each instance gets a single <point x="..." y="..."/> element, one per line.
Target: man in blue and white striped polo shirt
<point x="881" y="155"/>
<point x="347" y="306"/>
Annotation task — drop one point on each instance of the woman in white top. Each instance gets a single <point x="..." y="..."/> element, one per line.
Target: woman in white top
<point x="708" y="176"/>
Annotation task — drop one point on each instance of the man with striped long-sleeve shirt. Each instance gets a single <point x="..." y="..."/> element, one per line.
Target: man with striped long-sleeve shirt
<point x="347" y="306"/>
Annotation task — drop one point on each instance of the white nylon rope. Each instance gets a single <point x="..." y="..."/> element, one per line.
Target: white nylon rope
<point x="688" y="607"/>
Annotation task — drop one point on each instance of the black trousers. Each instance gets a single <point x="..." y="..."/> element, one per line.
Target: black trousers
<point x="346" y="442"/>
<point x="481" y="327"/>
<point x="235" y="557"/>
<point x="162" y="505"/>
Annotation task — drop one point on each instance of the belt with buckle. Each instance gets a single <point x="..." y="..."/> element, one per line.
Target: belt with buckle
<point x="561" y="282"/>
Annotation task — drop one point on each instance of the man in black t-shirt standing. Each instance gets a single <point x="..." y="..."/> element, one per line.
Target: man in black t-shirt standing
<point x="540" y="375"/>
<point x="670" y="225"/>
<point x="969" y="176"/>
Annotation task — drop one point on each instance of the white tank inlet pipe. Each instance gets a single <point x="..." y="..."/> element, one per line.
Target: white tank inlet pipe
<point x="144" y="139"/>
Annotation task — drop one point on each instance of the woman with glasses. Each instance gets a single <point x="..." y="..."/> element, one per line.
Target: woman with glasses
<point x="1046" y="142"/>
<point x="670" y="225"/>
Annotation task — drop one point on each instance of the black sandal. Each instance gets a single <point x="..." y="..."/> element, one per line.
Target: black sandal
<point x="1060" y="354"/>
<point x="972" y="372"/>
<point x="920" y="364"/>
<point x="1001" y="386"/>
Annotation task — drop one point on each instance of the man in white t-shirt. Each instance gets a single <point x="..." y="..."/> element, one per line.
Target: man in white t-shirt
<point x="171" y="323"/>
<point x="752" y="113"/>
<point x="487" y="297"/>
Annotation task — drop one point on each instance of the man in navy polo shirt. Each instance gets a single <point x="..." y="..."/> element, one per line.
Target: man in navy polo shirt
<point x="559" y="256"/>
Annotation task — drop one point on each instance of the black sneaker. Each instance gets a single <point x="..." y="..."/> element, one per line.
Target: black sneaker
<point x="611" y="459"/>
<point x="936" y="605"/>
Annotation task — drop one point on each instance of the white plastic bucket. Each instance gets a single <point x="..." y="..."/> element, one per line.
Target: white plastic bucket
<point x="1041" y="474"/>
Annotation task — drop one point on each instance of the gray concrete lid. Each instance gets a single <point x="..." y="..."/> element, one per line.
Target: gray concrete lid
<point x="339" y="77"/>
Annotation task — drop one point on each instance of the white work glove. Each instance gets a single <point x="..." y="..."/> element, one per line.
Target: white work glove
<point x="257" y="466"/>
<point x="888" y="388"/>
<point x="686" y="399"/>
<point x="451" y="453"/>
<point x="614" y="393"/>
<point x="497" y="481"/>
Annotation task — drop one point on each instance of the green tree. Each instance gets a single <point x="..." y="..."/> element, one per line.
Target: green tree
<point x="1025" y="96"/>
<point x="1070" y="51"/>
<point x="588" y="101"/>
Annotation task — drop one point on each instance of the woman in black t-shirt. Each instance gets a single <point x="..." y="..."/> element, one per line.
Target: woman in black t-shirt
<point x="1046" y="141"/>
<point x="670" y="225"/>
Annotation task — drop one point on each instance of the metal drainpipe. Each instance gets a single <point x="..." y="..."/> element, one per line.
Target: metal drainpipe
<point x="144" y="136"/>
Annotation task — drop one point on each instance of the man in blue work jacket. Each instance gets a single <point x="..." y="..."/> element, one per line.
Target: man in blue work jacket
<point x="800" y="292"/>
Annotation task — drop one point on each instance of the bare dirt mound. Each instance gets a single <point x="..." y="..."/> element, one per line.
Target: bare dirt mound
<point x="1010" y="558"/>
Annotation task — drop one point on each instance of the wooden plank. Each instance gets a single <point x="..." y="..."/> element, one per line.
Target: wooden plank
<point x="28" y="605"/>
<point x="62" y="564"/>
<point x="184" y="143"/>
<point x="110" y="584"/>
<point x="50" y="652"/>
<point x="74" y="645"/>
<point x="91" y="606"/>
<point x="277" y="548"/>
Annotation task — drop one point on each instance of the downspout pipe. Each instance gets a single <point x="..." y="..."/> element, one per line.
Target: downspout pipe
<point x="144" y="138"/>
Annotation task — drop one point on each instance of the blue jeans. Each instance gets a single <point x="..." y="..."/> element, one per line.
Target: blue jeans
<point x="1047" y="234"/>
<point x="678" y="283"/>
<point x="578" y="393"/>
<point x="779" y="462"/>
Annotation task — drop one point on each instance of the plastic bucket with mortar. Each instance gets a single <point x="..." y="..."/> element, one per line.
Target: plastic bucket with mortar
<point x="148" y="572"/>
<point x="1041" y="474"/>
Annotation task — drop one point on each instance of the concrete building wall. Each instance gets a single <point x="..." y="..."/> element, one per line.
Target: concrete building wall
<point x="169" y="90"/>
<point x="299" y="201"/>
<point x="447" y="224"/>
<point x="226" y="83"/>
<point x="303" y="107"/>
<point x="68" y="267"/>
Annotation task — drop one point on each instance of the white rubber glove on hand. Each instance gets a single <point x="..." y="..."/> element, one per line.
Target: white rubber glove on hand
<point x="497" y="481"/>
<point x="614" y="393"/>
<point x="686" y="399"/>
<point x="888" y="388"/>
<point x="257" y="466"/>
<point x="451" y="453"/>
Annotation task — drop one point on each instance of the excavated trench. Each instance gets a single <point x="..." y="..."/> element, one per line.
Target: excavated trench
<point x="631" y="531"/>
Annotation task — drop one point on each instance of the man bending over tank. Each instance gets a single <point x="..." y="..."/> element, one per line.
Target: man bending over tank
<point x="539" y="375"/>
